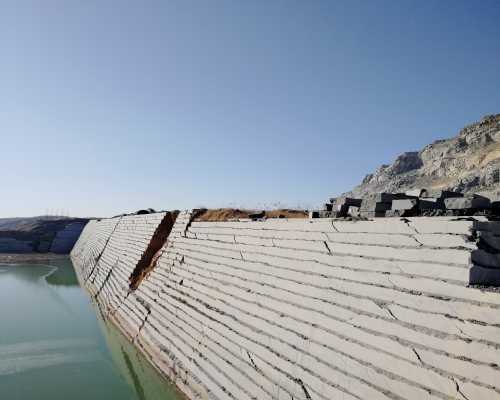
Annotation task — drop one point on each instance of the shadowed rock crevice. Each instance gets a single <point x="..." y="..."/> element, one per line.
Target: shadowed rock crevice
<point x="148" y="260"/>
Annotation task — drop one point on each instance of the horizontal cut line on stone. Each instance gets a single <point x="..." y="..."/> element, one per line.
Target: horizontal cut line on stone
<point x="344" y="266"/>
<point x="201" y="242"/>
<point x="417" y="245"/>
<point x="394" y="287"/>
<point x="162" y="306"/>
<point x="375" y="302"/>
<point x="335" y="333"/>
<point x="376" y="368"/>
<point x="195" y="347"/>
<point x="299" y="305"/>
<point x="159" y="306"/>
<point x="178" y="351"/>
<point x="369" y="384"/>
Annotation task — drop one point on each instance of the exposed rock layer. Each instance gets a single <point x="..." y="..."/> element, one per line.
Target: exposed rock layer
<point x="469" y="163"/>
<point x="39" y="234"/>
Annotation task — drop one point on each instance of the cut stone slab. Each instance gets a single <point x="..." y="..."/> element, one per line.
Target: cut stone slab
<point x="430" y="203"/>
<point x="388" y="197"/>
<point x="342" y="210"/>
<point x="486" y="259"/>
<point x="395" y="213"/>
<point x="484" y="276"/>
<point x="441" y="194"/>
<point x="462" y="203"/>
<point x="490" y="239"/>
<point x="495" y="207"/>
<point x="375" y="206"/>
<point x="371" y="214"/>
<point x="322" y="214"/>
<point x="415" y="192"/>
<point x="404" y="204"/>
<point x="349" y="201"/>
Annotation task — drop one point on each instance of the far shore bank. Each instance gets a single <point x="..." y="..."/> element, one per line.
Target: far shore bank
<point x="30" y="258"/>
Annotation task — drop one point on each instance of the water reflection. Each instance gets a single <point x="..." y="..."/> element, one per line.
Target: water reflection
<point x="54" y="346"/>
<point x="136" y="369"/>
<point x="63" y="275"/>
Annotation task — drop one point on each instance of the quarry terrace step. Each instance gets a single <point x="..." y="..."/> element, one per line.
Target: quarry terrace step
<point x="389" y="308"/>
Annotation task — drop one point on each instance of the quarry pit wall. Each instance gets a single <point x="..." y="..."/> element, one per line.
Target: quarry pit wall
<point x="305" y="308"/>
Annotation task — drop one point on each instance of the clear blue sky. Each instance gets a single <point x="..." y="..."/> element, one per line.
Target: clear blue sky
<point x="112" y="106"/>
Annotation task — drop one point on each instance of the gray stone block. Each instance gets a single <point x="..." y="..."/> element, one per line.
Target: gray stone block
<point x="375" y="206"/>
<point x="394" y="213"/>
<point x="371" y="214"/>
<point x="313" y="214"/>
<point x="489" y="239"/>
<point x="462" y="203"/>
<point x="383" y="197"/>
<point x="441" y="194"/>
<point x="430" y="203"/>
<point x="404" y="204"/>
<point x="484" y="276"/>
<point x="486" y="259"/>
<point x="353" y="211"/>
<point x="342" y="210"/>
<point x="415" y="192"/>
<point x="322" y="214"/>
<point x="349" y="201"/>
<point x="495" y="207"/>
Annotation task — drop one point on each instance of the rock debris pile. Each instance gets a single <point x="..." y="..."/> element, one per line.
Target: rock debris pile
<point x="412" y="203"/>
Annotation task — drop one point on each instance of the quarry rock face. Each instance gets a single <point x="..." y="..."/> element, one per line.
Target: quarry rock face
<point x="40" y="234"/>
<point x="279" y="308"/>
<point x="468" y="162"/>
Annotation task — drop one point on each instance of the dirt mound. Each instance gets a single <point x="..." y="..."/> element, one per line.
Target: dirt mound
<point x="228" y="214"/>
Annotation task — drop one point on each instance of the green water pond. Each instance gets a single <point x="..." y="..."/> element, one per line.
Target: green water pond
<point x="54" y="344"/>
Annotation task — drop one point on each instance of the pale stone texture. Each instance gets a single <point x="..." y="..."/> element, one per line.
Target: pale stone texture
<point x="306" y="309"/>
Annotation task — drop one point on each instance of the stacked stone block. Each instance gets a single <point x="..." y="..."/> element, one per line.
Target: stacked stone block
<point x="65" y="239"/>
<point x="90" y="246"/>
<point x="419" y="202"/>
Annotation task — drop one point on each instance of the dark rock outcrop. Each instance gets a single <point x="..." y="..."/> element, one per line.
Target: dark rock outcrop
<point x="40" y="234"/>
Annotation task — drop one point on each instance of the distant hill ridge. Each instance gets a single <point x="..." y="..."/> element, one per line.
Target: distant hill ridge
<point x="39" y="234"/>
<point x="468" y="162"/>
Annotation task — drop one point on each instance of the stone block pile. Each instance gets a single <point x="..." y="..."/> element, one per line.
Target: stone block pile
<point x="412" y="203"/>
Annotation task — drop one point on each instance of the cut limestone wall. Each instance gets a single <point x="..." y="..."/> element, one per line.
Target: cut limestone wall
<point x="66" y="238"/>
<point x="307" y="309"/>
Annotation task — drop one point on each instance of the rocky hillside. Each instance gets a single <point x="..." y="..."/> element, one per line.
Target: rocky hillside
<point x="468" y="162"/>
<point x="39" y="234"/>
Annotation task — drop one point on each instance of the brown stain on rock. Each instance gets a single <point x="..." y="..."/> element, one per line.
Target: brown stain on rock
<point x="150" y="257"/>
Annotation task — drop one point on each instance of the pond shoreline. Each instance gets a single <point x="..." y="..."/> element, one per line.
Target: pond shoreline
<point x="30" y="258"/>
